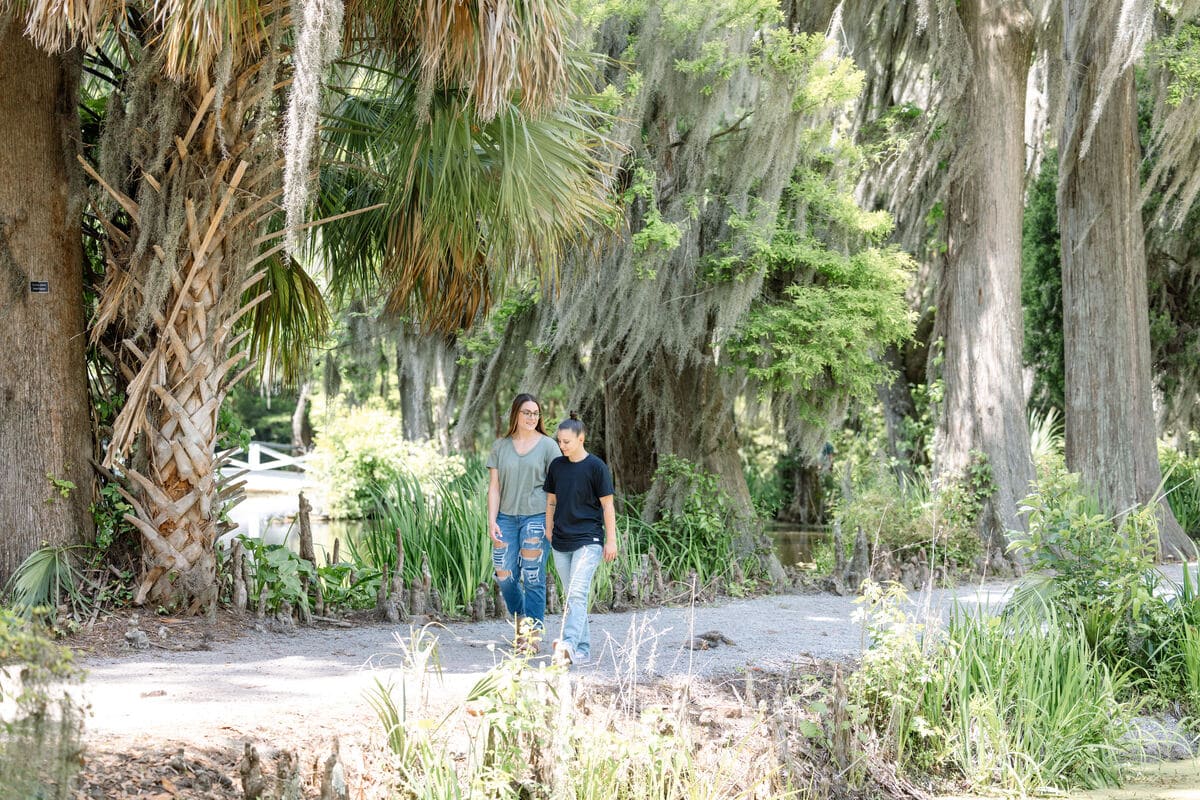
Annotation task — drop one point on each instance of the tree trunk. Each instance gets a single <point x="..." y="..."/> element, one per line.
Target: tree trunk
<point x="193" y="286"/>
<point x="805" y="492"/>
<point x="979" y="305"/>
<point x="1109" y="415"/>
<point x="302" y="431"/>
<point x="692" y="419"/>
<point x="45" y="435"/>
<point x="413" y="364"/>
<point x="630" y="442"/>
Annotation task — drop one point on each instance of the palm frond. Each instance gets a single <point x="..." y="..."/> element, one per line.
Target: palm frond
<point x="469" y="202"/>
<point x="193" y="33"/>
<point x="288" y="324"/>
<point x="491" y="49"/>
<point x="47" y="577"/>
<point x="57" y="25"/>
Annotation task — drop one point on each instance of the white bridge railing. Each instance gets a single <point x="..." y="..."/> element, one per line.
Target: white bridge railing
<point x="266" y="455"/>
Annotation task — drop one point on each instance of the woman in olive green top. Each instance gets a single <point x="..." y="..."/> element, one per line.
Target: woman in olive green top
<point x="517" y="466"/>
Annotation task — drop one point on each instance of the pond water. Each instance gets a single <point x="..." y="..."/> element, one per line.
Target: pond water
<point x="1167" y="780"/>
<point x="794" y="544"/>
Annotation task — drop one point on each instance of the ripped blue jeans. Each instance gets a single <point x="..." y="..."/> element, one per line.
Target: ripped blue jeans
<point x="520" y="564"/>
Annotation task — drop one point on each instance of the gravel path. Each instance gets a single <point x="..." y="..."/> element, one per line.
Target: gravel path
<point x="314" y="682"/>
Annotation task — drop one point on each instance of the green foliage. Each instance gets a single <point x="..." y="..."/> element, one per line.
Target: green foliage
<point x="1179" y="54"/>
<point x="695" y="530"/>
<point x="232" y="431"/>
<point x="349" y="585"/>
<point x="764" y="463"/>
<point x="40" y="724"/>
<point x="1041" y="290"/>
<point x="1101" y="569"/>
<point x="1181" y="485"/>
<point x="363" y="449"/>
<point x="108" y="513"/>
<point x="826" y="336"/>
<point x="443" y="520"/>
<point x="1006" y="702"/>
<point x="268" y="418"/>
<point x="904" y="516"/>
<point x="482" y="340"/>
<point x="59" y="486"/>
<point x="655" y="234"/>
<point x="276" y="574"/>
<point x="48" y="577"/>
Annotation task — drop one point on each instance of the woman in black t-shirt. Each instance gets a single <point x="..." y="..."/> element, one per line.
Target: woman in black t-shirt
<point x="581" y="524"/>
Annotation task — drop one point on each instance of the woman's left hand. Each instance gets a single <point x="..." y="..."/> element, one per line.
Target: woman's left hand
<point x="610" y="551"/>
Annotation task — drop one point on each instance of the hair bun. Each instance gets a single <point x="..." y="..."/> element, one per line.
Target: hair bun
<point x="573" y="416"/>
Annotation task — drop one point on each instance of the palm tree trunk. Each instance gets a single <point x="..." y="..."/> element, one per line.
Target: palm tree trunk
<point x="182" y="360"/>
<point x="45" y="432"/>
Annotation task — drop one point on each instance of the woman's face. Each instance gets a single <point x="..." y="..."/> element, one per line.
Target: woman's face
<point x="527" y="416"/>
<point x="569" y="442"/>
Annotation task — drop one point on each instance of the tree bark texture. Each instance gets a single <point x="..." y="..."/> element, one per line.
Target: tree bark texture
<point x="185" y="359"/>
<point x="1109" y="417"/>
<point x="414" y="362"/>
<point x="45" y="432"/>
<point x="979" y="313"/>
<point x="692" y="419"/>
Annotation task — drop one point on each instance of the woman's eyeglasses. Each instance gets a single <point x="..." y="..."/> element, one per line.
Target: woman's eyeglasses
<point x="531" y="414"/>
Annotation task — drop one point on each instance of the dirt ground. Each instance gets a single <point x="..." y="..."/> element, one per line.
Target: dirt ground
<point x="171" y="718"/>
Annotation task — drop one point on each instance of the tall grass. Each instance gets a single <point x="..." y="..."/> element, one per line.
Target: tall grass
<point x="446" y="521"/>
<point x="1031" y="705"/>
<point x="1015" y="702"/>
<point x="525" y="737"/>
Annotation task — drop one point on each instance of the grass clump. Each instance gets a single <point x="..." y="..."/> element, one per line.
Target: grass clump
<point x="1001" y="701"/>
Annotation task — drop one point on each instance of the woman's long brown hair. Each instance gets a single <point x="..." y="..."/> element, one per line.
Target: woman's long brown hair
<point x="517" y="402"/>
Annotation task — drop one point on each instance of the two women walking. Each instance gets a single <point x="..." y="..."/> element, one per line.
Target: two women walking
<point x="539" y="497"/>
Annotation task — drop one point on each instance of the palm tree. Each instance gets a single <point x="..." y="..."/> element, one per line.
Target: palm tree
<point x="188" y="188"/>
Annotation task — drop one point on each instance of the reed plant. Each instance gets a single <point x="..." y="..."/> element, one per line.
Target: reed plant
<point x="1016" y="702"/>
<point x="445" y="522"/>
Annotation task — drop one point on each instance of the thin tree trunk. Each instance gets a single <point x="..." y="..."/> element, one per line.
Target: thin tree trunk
<point x="1109" y="415"/>
<point x="302" y="432"/>
<point x="979" y="306"/>
<point x="45" y="434"/>
<point x="413" y="365"/>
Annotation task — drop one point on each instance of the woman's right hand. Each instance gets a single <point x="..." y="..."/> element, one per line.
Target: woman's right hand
<point x="494" y="532"/>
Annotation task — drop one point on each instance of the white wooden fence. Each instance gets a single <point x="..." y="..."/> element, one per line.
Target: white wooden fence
<point x="266" y="455"/>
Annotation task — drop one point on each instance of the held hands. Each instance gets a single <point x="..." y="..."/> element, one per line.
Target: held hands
<point x="494" y="532"/>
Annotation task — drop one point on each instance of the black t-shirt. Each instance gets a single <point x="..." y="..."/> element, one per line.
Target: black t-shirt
<point x="578" y="487"/>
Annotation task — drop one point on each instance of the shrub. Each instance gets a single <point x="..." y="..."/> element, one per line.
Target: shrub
<point x="1093" y="567"/>
<point x="695" y="528"/>
<point x="1012" y="702"/>
<point x="905" y="516"/>
<point x="1181" y="485"/>
<point x="40" y="724"/>
<point x="364" y="449"/>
